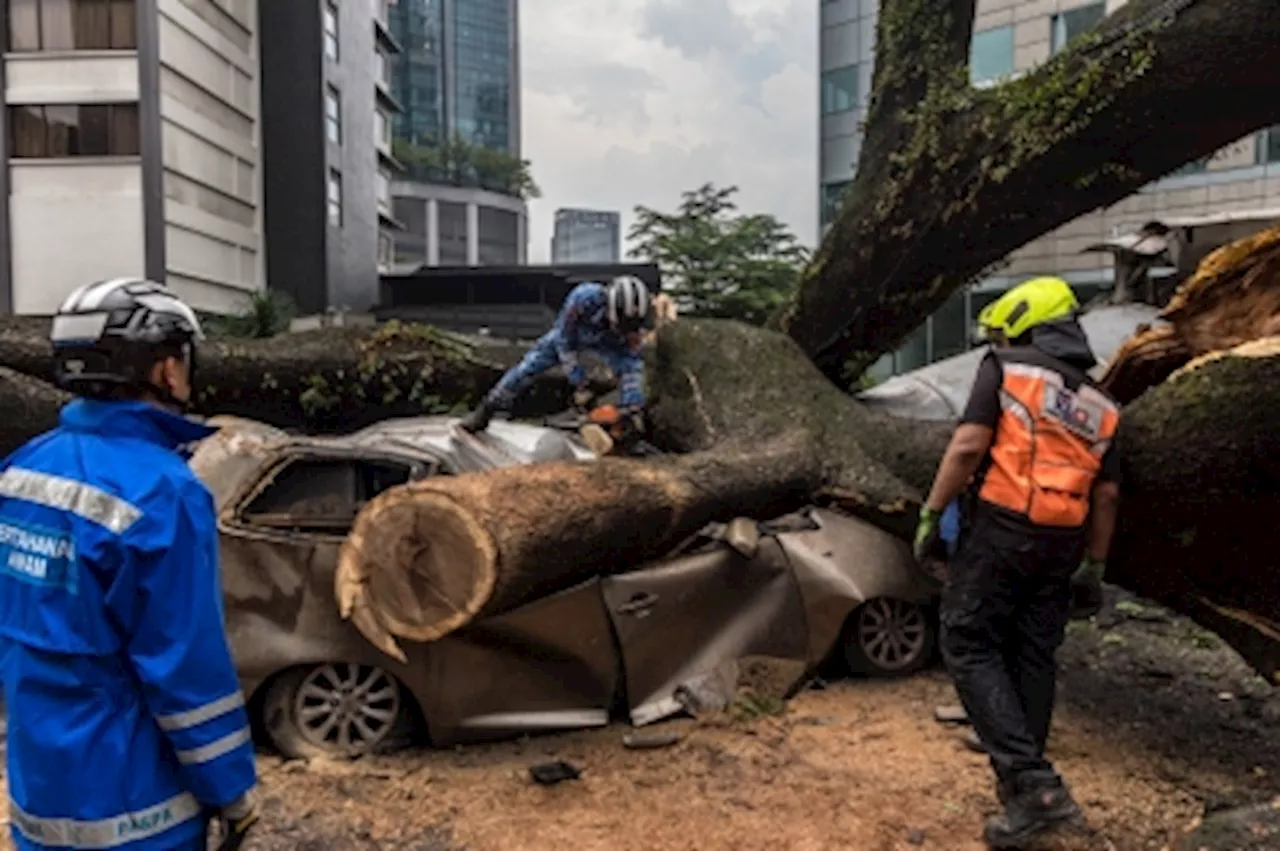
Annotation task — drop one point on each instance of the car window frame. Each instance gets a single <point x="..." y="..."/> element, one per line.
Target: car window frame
<point x="420" y="467"/>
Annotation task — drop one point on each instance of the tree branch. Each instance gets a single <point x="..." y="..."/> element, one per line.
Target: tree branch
<point x="953" y="184"/>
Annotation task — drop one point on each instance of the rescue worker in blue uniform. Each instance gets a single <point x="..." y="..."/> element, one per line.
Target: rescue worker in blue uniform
<point x="606" y="320"/>
<point x="127" y="726"/>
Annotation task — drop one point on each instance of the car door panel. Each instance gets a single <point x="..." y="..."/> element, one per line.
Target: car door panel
<point x="548" y="665"/>
<point x="687" y="617"/>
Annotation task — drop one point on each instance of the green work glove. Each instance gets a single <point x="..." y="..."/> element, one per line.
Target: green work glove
<point x="928" y="534"/>
<point x="1086" y="588"/>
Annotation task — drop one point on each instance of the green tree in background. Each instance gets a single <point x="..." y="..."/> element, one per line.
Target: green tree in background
<point x="268" y="313"/>
<point x="457" y="162"/>
<point x="717" y="262"/>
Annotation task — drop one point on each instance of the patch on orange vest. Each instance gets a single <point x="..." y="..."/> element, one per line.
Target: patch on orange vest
<point x="1077" y="415"/>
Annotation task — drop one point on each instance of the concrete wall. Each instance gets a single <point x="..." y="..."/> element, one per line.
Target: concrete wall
<point x="434" y="214"/>
<point x="72" y="222"/>
<point x="293" y="146"/>
<point x="351" y="250"/>
<point x="209" y="108"/>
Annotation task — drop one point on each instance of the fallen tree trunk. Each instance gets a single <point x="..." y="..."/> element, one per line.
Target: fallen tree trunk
<point x="1232" y="299"/>
<point x="330" y="380"/>
<point x="951" y="179"/>
<point x="30" y="407"/>
<point x="1201" y="484"/>
<point x="427" y="558"/>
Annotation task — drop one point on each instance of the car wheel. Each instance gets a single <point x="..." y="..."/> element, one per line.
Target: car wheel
<point x="335" y="710"/>
<point x="888" y="637"/>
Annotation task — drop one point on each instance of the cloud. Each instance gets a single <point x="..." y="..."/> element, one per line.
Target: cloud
<point x="634" y="101"/>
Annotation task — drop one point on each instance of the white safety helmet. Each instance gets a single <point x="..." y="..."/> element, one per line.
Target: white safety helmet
<point x="628" y="303"/>
<point x="109" y="334"/>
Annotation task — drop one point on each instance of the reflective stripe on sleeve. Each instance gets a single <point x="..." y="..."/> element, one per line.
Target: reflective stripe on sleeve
<point x="87" y="501"/>
<point x="201" y="714"/>
<point x="109" y="832"/>
<point x="215" y="749"/>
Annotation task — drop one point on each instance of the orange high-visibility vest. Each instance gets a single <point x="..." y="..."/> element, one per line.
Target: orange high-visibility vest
<point x="1050" y="439"/>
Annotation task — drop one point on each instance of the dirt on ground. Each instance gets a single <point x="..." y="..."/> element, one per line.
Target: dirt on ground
<point x="1158" y="724"/>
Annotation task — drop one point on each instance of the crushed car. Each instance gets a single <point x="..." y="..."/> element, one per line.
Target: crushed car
<point x="804" y="588"/>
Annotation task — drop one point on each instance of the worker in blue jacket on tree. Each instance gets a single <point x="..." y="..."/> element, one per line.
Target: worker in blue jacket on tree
<point x="607" y="320"/>
<point x="127" y="727"/>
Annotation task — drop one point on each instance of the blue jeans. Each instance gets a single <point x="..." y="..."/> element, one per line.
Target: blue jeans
<point x="543" y="356"/>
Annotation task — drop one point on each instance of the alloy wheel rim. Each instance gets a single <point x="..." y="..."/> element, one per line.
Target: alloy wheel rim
<point x="892" y="633"/>
<point x="347" y="708"/>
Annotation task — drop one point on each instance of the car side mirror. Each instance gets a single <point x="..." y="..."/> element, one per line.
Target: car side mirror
<point x="743" y="535"/>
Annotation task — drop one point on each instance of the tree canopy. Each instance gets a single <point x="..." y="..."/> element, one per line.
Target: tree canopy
<point x="717" y="262"/>
<point x="457" y="162"/>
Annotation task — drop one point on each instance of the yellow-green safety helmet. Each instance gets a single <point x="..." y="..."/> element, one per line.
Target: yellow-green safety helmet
<point x="1027" y="305"/>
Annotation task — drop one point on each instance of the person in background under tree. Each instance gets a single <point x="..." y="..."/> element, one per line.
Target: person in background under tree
<point x="1039" y="485"/>
<point x="607" y="320"/>
<point x="127" y="726"/>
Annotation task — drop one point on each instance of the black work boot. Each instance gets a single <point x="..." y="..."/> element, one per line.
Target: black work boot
<point x="1030" y="809"/>
<point x="478" y="420"/>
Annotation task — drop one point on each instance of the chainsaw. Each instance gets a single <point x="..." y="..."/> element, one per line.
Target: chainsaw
<point x="606" y="430"/>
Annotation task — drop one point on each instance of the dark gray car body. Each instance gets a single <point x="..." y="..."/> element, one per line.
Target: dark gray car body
<point x="569" y="660"/>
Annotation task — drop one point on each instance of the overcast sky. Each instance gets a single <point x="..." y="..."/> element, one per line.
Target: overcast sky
<point x="633" y="101"/>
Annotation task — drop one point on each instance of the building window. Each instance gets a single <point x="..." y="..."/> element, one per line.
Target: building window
<point x="832" y="196"/>
<point x="386" y="249"/>
<point x="1066" y="27"/>
<point x="1269" y="146"/>
<point x="92" y="130"/>
<point x="382" y="68"/>
<point x="331" y="31"/>
<point x="381" y="129"/>
<point x="333" y="115"/>
<point x="839" y="89"/>
<point x="49" y="25"/>
<point x="991" y="55"/>
<point x="384" y="189"/>
<point x="1194" y="167"/>
<point x="335" y="199"/>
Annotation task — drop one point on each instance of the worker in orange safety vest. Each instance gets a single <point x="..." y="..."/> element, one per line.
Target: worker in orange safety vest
<point x="1032" y="463"/>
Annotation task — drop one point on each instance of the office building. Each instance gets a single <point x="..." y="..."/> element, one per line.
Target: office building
<point x="1012" y="37"/>
<point x="587" y="236"/>
<point x="130" y="141"/>
<point x="459" y="72"/>
<point x="457" y="78"/>
<point x="446" y="225"/>
<point x="327" y="116"/>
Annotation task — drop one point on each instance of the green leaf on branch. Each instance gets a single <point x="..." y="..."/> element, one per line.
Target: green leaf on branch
<point x="717" y="262"/>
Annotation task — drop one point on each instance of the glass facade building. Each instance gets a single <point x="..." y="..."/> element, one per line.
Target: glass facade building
<point x="417" y="74"/>
<point x="459" y="72"/>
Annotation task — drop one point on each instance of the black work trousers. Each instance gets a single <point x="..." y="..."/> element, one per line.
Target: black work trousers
<point x="1004" y="614"/>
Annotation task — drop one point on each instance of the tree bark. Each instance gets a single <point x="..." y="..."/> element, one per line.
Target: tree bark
<point x="326" y="381"/>
<point x="427" y="558"/>
<point x="951" y="179"/>
<point x="30" y="407"/>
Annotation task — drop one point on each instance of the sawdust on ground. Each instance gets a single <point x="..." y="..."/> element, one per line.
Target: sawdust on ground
<point x="1146" y="734"/>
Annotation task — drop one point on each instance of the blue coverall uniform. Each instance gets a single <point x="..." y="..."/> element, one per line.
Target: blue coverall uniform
<point x="127" y="726"/>
<point x="583" y="325"/>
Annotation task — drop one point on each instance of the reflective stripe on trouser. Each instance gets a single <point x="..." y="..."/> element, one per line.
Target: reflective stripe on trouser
<point x="110" y="832"/>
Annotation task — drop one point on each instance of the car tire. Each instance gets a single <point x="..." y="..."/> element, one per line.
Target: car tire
<point x="887" y="637"/>
<point x="336" y="711"/>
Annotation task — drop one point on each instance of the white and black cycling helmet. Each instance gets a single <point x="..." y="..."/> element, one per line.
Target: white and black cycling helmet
<point x="628" y="303"/>
<point x="108" y="335"/>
